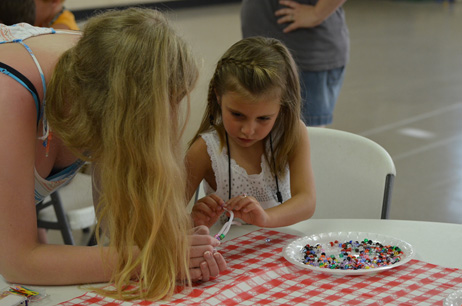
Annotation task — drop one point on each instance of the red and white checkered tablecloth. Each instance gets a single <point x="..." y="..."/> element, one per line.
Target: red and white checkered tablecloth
<point x="258" y="274"/>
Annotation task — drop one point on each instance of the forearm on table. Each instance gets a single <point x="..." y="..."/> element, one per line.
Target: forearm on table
<point x="294" y="210"/>
<point x="60" y="265"/>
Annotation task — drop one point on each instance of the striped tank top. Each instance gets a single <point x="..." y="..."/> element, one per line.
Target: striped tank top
<point x="17" y="34"/>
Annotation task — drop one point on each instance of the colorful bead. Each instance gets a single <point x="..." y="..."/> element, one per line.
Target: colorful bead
<point x="353" y="255"/>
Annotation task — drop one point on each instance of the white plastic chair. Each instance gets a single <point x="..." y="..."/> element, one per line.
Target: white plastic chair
<point x="68" y="209"/>
<point x="353" y="175"/>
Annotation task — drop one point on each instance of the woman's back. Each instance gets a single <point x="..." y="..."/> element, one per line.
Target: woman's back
<point x="46" y="47"/>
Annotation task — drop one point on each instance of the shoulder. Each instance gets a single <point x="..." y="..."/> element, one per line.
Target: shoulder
<point x="197" y="158"/>
<point x="209" y="135"/>
<point x="301" y="131"/>
<point x="302" y="145"/>
<point x="197" y="154"/>
<point x="198" y="146"/>
<point x="17" y="102"/>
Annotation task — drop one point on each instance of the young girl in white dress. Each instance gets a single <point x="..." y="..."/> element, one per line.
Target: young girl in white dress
<point x="251" y="149"/>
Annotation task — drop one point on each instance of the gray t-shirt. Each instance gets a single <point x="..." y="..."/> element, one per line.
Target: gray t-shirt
<point x="323" y="47"/>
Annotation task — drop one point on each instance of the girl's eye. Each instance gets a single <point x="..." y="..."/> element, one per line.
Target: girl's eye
<point x="236" y="114"/>
<point x="264" y="118"/>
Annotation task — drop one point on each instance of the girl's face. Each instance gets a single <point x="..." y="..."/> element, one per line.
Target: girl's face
<point x="247" y="120"/>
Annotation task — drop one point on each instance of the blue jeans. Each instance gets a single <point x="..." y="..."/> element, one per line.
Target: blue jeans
<point x="320" y="90"/>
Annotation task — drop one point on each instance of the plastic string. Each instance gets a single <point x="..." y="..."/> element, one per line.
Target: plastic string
<point x="225" y="228"/>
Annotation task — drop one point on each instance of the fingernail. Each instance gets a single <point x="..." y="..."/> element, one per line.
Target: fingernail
<point x="207" y="254"/>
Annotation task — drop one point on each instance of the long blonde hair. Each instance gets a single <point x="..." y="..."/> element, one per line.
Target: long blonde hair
<point x="116" y="97"/>
<point x="255" y="67"/>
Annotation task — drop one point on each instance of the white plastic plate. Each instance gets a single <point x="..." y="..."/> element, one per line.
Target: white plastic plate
<point x="293" y="251"/>
<point x="454" y="299"/>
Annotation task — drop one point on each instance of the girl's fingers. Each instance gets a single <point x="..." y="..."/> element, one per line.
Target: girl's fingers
<point x="220" y="261"/>
<point x="213" y="202"/>
<point x="204" y="208"/>
<point x="201" y="230"/>
<point x="199" y="218"/>
<point x="205" y="271"/>
<point x="211" y="264"/>
<point x="237" y="203"/>
<point x="195" y="274"/>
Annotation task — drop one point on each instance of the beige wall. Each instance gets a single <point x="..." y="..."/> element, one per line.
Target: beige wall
<point x="208" y="44"/>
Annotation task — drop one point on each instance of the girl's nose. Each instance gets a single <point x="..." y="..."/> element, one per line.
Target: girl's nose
<point x="248" y="128"/>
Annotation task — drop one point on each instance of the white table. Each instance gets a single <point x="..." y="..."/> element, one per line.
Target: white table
<point x="434" y="242"/>
<point x="437" y="243"/>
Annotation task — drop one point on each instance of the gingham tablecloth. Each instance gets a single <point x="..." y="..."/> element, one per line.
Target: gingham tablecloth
<point x="258" y="274"/>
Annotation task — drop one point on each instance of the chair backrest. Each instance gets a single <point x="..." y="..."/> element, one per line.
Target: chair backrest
<point x="353" y="175"/>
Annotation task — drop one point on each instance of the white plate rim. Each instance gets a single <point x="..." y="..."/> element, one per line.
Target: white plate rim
<point x="454" y="299"/>
<point x="295" y="245"/>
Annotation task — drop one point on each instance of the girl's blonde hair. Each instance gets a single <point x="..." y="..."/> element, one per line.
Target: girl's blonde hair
<point x="255" y="67"/>
<point x="116" y="96"/>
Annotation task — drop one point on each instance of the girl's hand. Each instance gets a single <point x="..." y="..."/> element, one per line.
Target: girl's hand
<point x="207" y="210"/>
<point x="204" y="261"/>
<point x="248" y="209"/>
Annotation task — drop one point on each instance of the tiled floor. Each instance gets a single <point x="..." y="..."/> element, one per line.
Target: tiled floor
<point x="403" y="89"/>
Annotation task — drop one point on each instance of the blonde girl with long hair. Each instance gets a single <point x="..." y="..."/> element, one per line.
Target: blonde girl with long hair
<point x="113" y="99"/>
<point x="252" y="150"/>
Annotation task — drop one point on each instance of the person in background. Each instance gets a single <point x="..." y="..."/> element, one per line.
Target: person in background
<point x="53" y="14"/>
<point x="317" y="35"/>
<point x="251" y="149"/>
<point x="16" y="11"/>
<point x="110" y="96"/>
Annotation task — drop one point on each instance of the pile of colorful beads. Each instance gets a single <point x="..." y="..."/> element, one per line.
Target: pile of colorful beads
<point x="351" y="255"/>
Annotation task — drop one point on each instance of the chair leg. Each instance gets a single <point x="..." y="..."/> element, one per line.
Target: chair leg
<point x="387" y="196"/>
<point x="62" y="219"/>
<point x="196" y="195"/>
<point x="92" y="241"/>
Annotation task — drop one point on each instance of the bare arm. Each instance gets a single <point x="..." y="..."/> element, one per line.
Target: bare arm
<point x="22" y="258"/>
<point x="302" y="204"/>
<point x="198" y="165"/>
<point x="306" y="16"/>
